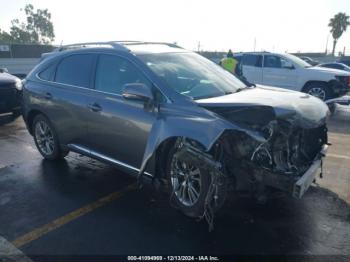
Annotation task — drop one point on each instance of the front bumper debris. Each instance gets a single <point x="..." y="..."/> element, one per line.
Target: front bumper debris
<point x="302" y="185"/>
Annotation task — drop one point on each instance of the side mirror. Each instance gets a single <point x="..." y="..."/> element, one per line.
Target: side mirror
<point x="3" y="70"/>
<point x="137" y="91"/>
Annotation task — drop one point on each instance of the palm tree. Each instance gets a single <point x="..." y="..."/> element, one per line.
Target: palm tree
<point x="338" y="25"/>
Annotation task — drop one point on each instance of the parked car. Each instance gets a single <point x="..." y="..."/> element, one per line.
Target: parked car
<point x="10" y="92"/>
<point x="344" y="60"/>
<point x="338" y="66"/>
<point x="290" y="72"/>
<point x="158" y="110"/>
<point x="309" y="60"/>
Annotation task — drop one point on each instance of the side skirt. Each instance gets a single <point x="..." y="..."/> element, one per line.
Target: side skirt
<point x="93" y="154"/>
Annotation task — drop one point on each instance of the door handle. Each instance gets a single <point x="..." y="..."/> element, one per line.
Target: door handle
<point x="48" y="96"/>
<point x="95" y="107"/>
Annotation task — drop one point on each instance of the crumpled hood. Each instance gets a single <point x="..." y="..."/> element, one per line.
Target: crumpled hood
<point x="263" y="104"/>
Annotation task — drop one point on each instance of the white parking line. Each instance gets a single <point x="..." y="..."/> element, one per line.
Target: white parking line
<point x="9" y="252"/>
<point x="339" y="156"/>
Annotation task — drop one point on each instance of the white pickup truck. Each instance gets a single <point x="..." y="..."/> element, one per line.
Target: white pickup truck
<point x="290" y="72"/>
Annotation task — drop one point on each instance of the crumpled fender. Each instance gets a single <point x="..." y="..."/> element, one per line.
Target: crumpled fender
<point x="204" y="128"/>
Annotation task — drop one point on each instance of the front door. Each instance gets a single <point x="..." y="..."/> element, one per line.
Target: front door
<point x="118" y="128"/>
<point x="279" y="72"/>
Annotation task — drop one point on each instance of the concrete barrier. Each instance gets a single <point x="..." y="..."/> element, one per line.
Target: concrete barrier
<point x="19" y="66"/>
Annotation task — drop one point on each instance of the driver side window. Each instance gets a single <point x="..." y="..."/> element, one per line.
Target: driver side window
<point x="113" y="72"/>
<point x="272" y="61"/>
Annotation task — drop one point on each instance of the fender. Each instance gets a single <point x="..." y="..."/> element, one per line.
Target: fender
<point x="205" y="128"/>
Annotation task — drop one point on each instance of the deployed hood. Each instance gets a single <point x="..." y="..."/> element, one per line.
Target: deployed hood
<point x="263" y="104"/>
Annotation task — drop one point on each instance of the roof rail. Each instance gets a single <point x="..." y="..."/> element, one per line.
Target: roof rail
<point x="147" y="43"/>
<point x="112" y="44"/>
<point x="119" y="45"/>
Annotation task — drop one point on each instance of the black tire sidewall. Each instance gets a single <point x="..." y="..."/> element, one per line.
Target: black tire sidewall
<point x="56" y="152"/>
<point x="198" y="208"/>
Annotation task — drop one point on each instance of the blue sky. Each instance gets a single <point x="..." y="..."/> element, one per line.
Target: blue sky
<point x="277" y="25"/>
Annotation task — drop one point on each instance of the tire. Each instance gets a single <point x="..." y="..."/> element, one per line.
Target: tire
<point x="319" y="90"/>
<point x="196" y="208"/>
<point x="46" y="140"/>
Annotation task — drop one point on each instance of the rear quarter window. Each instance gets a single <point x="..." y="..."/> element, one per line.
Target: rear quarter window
<point x="48" y="73"/>
<point x="252" y="60"/>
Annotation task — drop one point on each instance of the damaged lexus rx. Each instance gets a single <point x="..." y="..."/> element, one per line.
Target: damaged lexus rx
<point x="155" y="109"/>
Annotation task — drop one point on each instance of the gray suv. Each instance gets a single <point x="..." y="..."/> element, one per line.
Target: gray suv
<point x="155" y="109"/>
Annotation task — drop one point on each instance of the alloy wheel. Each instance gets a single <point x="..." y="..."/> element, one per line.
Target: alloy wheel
<point x="186" y="182"/>
<point x="318" y="92"/>
<point x="44" y="137"/>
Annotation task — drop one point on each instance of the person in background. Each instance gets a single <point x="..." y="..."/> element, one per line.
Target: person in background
<point x="229" y="62"/>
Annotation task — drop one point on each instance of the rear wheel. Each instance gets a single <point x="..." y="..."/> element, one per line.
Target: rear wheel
<point x="319" y="90"/>
<point x="46" y="139"/>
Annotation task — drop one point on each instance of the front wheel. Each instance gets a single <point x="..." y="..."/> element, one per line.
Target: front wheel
<point x="46" y="139"/>
<point x="319" y="90"/>
<point x="189" y="185"/>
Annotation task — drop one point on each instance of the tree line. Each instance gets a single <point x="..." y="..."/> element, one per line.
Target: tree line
<point x="37" y="29"/>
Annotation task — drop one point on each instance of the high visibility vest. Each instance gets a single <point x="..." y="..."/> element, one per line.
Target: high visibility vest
<point x="229" y="64"/>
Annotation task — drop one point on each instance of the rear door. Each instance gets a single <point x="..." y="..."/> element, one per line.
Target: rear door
<point x="279" y="72"/>
<point x="63" y="97"/>
<point x="252" y="68"/>
<point x="118" y="128"/>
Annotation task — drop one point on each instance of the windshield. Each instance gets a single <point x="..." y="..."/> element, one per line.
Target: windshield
<point x="296" y="60"/>
<point x="192" y="75"/>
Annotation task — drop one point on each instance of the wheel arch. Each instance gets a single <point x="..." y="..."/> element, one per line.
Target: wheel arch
<point x="162" y="153"/>
<point x="310" y="82"/>
<point x="30" y="119"/>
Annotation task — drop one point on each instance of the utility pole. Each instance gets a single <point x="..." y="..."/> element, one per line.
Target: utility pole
<point x="199" y="46"/>
<point x="327" y="45"/>
<point x="254" y="43"/>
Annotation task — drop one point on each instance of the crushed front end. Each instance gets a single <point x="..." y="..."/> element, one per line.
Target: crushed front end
<point x="289" y="160"/>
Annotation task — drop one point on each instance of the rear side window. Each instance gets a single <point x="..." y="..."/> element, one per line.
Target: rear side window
<point x="75" y="70"/>
<point x="252" y="60"/>
<point x="48" y="73"/>
<point x="113" y="72"/>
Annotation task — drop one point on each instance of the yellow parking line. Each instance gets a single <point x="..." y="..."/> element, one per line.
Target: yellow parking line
<point x="39" y="232"/>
